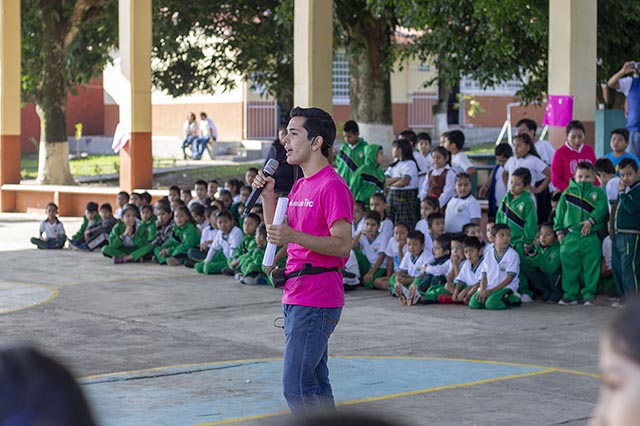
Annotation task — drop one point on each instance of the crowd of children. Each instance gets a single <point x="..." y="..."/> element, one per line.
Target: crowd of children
<point x="416" y="229"/>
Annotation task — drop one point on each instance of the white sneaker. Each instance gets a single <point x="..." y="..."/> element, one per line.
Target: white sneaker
<point x="616" y="304"/>
<point x="588" y="303"/>
<point x="526" y="298"/>
<point x="566" y="302"/>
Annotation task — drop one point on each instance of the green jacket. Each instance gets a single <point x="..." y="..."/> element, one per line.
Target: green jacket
<point x="152" y="231"/>
<point x="182" y="239"/>
<point x="521" y="217"/>
<point x="247" y="244"/>
<point x="579" y="202"/>
<point x="86" y="224"/>
<point x="627" y="217"/>
<point x="368" y="178"/>
<point x="140" y="237"/>
<point x="251" y="261"/>
<point x="547" y="259"/>
<point x="350" y="158"/>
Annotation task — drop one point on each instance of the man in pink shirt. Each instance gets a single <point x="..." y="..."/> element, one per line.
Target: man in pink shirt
<point x="566" y="158"/>
<point x="318" y="239"/>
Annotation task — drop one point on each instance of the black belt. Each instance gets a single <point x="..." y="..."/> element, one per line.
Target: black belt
<point x="279" y="277"/>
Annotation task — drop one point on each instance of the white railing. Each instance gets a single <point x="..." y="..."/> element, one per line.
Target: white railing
<point x="420" y="112"/>
<point x="261" y="120"/>
<point x="506" y="88"/>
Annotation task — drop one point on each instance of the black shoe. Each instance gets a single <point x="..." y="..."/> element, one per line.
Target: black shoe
<point x="189" y="263"/>
<point x="348" y="287"/>
<point x="228" y="271"/>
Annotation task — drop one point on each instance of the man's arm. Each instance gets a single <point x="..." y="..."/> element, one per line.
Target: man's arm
<point x="337" y="244"/>
<point x="614" y="81"/>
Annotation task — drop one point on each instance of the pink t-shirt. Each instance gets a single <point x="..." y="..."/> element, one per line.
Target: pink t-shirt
<point x="315" y="203"/>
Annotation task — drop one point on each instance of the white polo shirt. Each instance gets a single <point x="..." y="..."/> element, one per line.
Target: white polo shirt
<point x="371" y="249"/>
<point x="461" y="211"/>
<point x="414" y="266"/>
<point x="497" y="269"/>
<point x="469" y="275"/>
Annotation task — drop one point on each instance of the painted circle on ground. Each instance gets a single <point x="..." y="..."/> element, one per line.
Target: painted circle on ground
<point x="19" y="296"/>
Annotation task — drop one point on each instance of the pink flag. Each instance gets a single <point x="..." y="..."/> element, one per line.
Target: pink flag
<point x="559" y="110"/>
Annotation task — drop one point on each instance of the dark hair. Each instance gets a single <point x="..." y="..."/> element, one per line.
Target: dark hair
<point x="585" y="165"/>
<point x="262" y="230"/>
<point x="254" y="217"/>
<point x="55" y="206"/>
<point x="213" y="181"/>
<point x="575" y="125"/>
<point x="416" y="235"/>
<point x="210" y="210"/>
<point x="523" y="174"/>
<point x="624" y="330"/>
<point x="236" y="186"/>
<point x="380" y="196"/>
<point x="163" y="205"/>
<point x="444" y="152"/>
<point x="373" y="215"/>
<point x="409" y="135"/>
<point x="424" y="136"/>
<point x="246" y="187"/>
<point x="546" y="225"/>
<point x="132" y="207"/>
<point x="473" y="242"/>
<point x="146" y="197"/>
<point x="432" y="217"/>
<point x="360" y="203"/>
<point x="499" y="227"/>
<point x="38" y="390"/>
<point x="456" y="137"/>
<point x="105" y="206"/>
<point x="527" y="140"/>
<point x="257" y="208"/>
<point x="463" y="175"/>
<point x="503" y="150"/>
<point x="203" y="114"/>
<point x="406" y="151"/>
<point x="432" y="201"/>
<point x="197" y="209"/>
<point x="531" y="125"/>
<point x="224" y="213"/>
<point x="185" y="191"/>
<point x="253" y="170"/>
<point x="444" y="240"/>
<point x="351" y="127"/>
<point x="91" y="206"/>
<point x="200" y="182"/>
<point x="180" y="203"/>
<point x="604" y="165"/>
<point x="491" y="219"/>
<point x="404" y="225"/>
<point x="317" y="123"/>
<point x="184" y="209"/>
<point x="174" y="188"/>
<point x="628" y="162"/>
<point x="137" y="194"/>
<point x="125" y="194"/>
<point x="622" y="132"/>
<point x="146" y="207"/>
<point x="466" y="226"/>
<point x="459" y="237"/>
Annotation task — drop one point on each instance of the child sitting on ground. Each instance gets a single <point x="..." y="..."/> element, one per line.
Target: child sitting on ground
<point x="122" y="199"/>
<point x="606" y="175"/>
<point x="199" y="218"/>
<point x="200" y="188"/>
<point x="410" y="270"/>
<point x="500" y="270"/>
<point x="436" y="270"/>
<point x="250" y="263"/>
<point x="463" y="208"/>
<point x="359" y="210"/>
<point x="378" y="203"/>
<point x="185" y="196"/>
<point x="544" y="276"/>
<point x="436" y="225"/>
<point x="428" y="205"/>
<point x="164" y="222"/>
<point x="472" y="230"/>
<point x="395" y="251"/>
<point x="248" y="243"/>
<point x="468" y="279"/>
<point x="90" y="218"/>
<point x="98" y="234"/>
<point x="223" y="246"/>
<point x="128" y="241"/>
<point x="148" y="220"/>
<point x="369" y="247"/>
<point x="51" y="234"/>
<point x="184" y="236"/>
<point x="208" y="235"/>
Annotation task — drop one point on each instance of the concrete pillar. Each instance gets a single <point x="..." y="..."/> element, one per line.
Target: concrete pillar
<point x="135" y="110"/>
<point x="313" y="54"/>
<point x="9" y="100"/>
<point x="572" y="61"/>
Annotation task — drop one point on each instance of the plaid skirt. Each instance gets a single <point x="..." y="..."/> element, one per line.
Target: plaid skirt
<point x="404" y="207"/>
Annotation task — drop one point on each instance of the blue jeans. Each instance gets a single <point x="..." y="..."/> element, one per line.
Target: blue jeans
<point x="199" y="145"/>
<point x="634" y="143"/>
<point x="305" y="375"/>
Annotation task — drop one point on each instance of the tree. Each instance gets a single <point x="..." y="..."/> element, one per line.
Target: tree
<point x="64" y="43"/>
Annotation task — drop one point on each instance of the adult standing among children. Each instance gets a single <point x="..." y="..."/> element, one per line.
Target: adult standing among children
<point x="630" y="86"/>
<point x="208" y="133"/>
<point x="318" y="240"/>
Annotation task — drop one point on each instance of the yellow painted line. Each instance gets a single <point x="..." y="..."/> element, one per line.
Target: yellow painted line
<point x="244" y="419"/>
<point x="54" y="293"/>
<point x="579" y="373"/>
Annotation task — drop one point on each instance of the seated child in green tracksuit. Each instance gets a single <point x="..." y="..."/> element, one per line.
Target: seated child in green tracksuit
<point x="518" y="211"/>
<point x="98" y="235"/>
<point x="223" y="246"/>
<point x="248" y="243"/>
<point x="184" y="236"/>
<point x="544" y="276"/>
<point x="207" y="235"/>
<point x="369" y="246"/>
<point x="51" y="234"/>
<point x="500" y="269"/>
<point x="411" y="270"/>
<point x="580" y="214"/>
<point x="148" y="220"/>
<point x="90" y="218"/>
<point x="250" y="263"/>
<point x="468" y="274"/>
<point x="396" y="249"/>
<point x="435" y="272"/>
<point x="129" y="241"/>
<point x="625" y="260"/>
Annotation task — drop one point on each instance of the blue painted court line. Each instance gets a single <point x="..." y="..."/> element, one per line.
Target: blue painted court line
<point x="215" y="392"/>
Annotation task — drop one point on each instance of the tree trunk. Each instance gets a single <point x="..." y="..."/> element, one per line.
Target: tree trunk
<point x="51" y="104"/>
<point x="440" y="109"/>
<point x="369" y="79"/>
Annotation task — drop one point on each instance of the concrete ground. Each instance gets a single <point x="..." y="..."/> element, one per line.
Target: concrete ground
<point x="165" y="346"/>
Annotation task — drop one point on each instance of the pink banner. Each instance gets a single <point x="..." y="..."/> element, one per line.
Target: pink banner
<point x="559" y="110"/>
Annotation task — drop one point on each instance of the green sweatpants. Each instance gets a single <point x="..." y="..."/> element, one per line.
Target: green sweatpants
<point x="525" y="266"/>
<point x="392" y="283"/>
<point x="432" y="293"/>
<point x="625" y="262"/>
<point x="136" y="252"/>
<point x="163" y="260"/>
<point x="214" y="266"/>
<point x="498" y="300"/>
<point x="365" y="266"/>
<point x="580" y="258"/>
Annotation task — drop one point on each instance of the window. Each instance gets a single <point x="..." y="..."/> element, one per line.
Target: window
<point x="340" y="79"/>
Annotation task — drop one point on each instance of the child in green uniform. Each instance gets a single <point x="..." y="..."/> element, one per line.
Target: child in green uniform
<point x="184" y="236"/>
<point x="435" y="276"/>
<point x="90" y="218"/>
<point x="129" y="240"/>
<point x="519" y="213"/>
<point x="544" y="277"/>
<point x="351" y="154"/>
<point x="626" y="231"/>
<point x="248" y="243"/>
<point x="250" y="263"/>
<point x="579" y="216"/>
<point x="368" y="178"/>
<point x="148" y="220"/>
<point x="97" y="235"/>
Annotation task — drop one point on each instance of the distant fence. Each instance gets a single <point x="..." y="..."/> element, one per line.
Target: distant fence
<point x="261" y="120"/>
<point x="420" y="112"/>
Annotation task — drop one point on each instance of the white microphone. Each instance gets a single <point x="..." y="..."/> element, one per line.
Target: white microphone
<point x="281" y="211"/>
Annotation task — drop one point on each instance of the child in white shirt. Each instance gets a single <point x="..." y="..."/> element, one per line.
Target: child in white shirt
<point x="410" y="270"/>
<point x="463" y="208"/>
